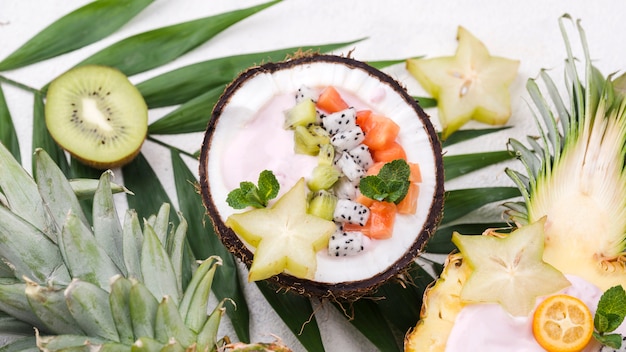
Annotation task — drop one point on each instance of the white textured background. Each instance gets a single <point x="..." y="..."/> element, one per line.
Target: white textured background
<point x="525" y="30"/>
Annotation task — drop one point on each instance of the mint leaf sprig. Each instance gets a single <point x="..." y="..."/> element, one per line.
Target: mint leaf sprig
<point x="609" y="316"/>
<point x="249" y="194"/>
<point x="390" y="185"/>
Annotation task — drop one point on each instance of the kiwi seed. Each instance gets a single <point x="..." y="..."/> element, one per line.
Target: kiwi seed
<point x="97" y="115"/>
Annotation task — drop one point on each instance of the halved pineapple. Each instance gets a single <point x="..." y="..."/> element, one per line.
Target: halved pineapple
<point x="576" y="178"/>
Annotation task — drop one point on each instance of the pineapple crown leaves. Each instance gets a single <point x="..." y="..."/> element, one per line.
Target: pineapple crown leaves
<point x="583" y="139"/>
<point x="110" y="284"/>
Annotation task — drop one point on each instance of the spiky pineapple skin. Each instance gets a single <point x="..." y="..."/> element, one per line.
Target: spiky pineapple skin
<point x="104" y="286"/>
<point x="441" y="305"/>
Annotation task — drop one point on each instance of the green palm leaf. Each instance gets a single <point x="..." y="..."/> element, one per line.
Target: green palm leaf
<point x="43" y="140"/>
<point x="205" y="243"/>
<point x="84" y="26"/>
<point x="181" y="85"/>
<point x="8" y="136"/>
<point x="297" y="313"/>
<point x="459" y="165"/>
<point x="154" y="48"/>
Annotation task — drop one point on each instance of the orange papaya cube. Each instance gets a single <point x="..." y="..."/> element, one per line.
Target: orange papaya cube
<point x="408" y="204"/>
<point x="394" y="151"/>
<point x="375" y="168"/>
<point x="381" y="220"/>
<point x="331" y="101"/>
<point x="367" y="201"/>
<point x="416" y="173"/>
<point x="362" y="117"/>
<point x="380" y="131"/>
<point x="348" y="227"/>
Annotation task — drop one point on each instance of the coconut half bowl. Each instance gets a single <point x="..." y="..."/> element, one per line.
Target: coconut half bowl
<point x="273" y="86"/>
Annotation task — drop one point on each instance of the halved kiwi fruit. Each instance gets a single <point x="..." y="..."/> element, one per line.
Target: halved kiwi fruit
<point x="272" y="87"/>
<point x="97" y="115"/>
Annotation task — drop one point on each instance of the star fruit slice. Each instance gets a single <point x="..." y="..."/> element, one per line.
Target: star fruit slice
<point x="509" y="270"/>
<point x="472" y="84"/>
<point x="286" y="237"/>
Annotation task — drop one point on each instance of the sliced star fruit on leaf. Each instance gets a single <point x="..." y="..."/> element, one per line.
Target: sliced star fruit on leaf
<point x="286" y="237"/>
<point x="509" y="270"/>
<point x="246" y="135"/>
<point x="471" y="85"/>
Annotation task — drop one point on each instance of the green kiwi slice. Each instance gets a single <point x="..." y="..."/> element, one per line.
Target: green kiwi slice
<point x="97" y="115"/>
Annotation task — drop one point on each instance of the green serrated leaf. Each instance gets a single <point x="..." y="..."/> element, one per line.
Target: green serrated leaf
<point x="268" y="185"/>
<point x="611" y="310"/>
<point x="157" y="47"/>
<point x="146" y="344"/>
<point x="459" y="165"/>
<point x="13" y="301"/>
<point x="156" y="267"/>
<point x="610" y="340"/>
<point x="23" y="344"/>
<point x="184" y="84"/>
<point x="205" y="243"/>
<point x="143" y="308"/>
<point x="461" y="202"/>
<point x="48" y="303"/>
<point x="297" y="313"/>
<point x="89" y="305"/>
<point x="161" y="223"/>
<point x="21" y="192"/>
<point x="8" y="135"/>
<point x="193" y="306"/>
<point x="132" y="242"/>
<point x="207" y="337"/>
<point x="106" y="224"/>
<point x="169" y="324"/>
<point x="75" y="30"/>
<point x="119" y="299"/>
<point x="176" y="248"/>
<point x="55" y="189"/>
<point x="31" y="254"/>
<point x="82" y="255"/>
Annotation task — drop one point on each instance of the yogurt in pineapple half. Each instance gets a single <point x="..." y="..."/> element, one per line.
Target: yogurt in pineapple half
<point x="246" y="136"/>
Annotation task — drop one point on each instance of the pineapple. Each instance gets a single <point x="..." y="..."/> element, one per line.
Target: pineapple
<point x="576" y="180"/>
<point x="104" y="286"/>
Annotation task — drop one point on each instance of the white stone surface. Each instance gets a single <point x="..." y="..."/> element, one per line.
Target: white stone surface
<point x="524" y="30"/>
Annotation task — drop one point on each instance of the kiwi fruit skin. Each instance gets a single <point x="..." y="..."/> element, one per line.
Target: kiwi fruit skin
<point x="97" y="115"/>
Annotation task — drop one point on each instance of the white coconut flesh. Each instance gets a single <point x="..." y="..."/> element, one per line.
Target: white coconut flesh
<point x="250" y="138"/>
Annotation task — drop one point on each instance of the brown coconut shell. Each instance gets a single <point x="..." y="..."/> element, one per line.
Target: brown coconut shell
<point x="349" y="290"/>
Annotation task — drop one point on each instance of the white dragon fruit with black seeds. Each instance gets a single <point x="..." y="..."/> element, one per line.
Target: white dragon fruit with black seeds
<point x="349" y="167"/>
<point x="361" y="154"/>
<point x="339" y="121"/>
<point x="345" y="243"/>
<point x="305" y="92"/>
<point x="349" y="211"/>
<point x="346" y="189"/>
<point x="346" y="140"/>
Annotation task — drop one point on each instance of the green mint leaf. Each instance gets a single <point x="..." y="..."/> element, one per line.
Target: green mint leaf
<point x="268" y="185"/>
<point x="373" y="187"/>
<point x="397" y="170"/>
<point x="390" y="185"/>
<point x="610" y="340"/>
<point x="397" y="190"/>
<point x="249" y="195"/>
<point x="611" y="310"/>
<point x="236" y="199"/>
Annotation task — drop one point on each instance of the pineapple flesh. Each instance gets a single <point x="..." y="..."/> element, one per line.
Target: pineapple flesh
<point x="575" y="178"/>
